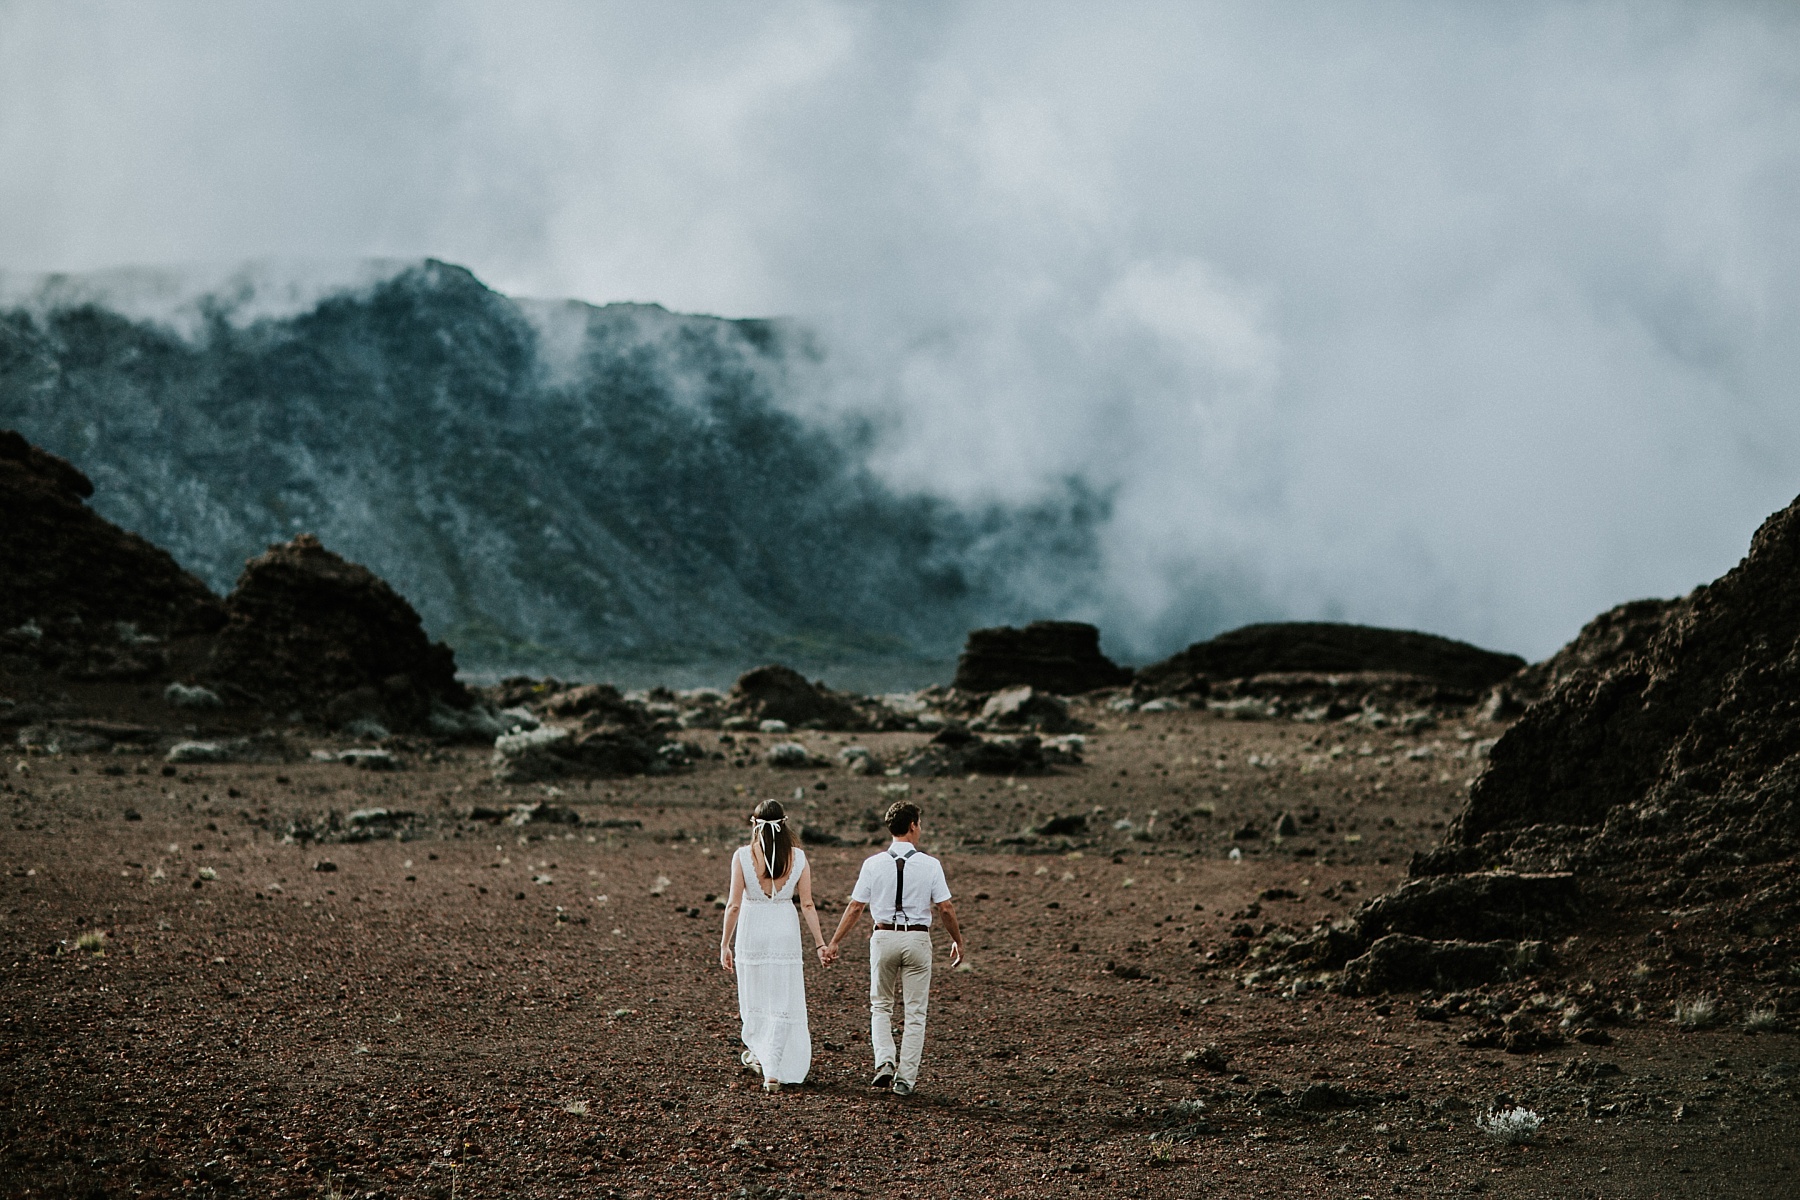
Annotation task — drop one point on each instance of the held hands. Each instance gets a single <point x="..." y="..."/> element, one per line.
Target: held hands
<point x="828" y="953"/>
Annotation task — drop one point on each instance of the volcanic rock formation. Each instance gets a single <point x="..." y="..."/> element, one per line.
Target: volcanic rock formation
<point x="1060" y="657"/>
<point x="1603" y="643"/>
<point x="77" y="592"/>
<point x="1669" y="776"/>
<point x="1318" y="648"/>
<point x="778" y="693"/>
<point x="310" y="632"/>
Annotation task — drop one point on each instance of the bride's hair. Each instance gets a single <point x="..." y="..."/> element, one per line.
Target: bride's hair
<point x="770" y="829"/>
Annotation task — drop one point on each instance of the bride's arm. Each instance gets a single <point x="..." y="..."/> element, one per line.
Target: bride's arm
<point x="726" y="958"/>
<point x="804" y="890"/>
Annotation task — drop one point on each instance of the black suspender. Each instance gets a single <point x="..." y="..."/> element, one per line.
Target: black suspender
<point x="900" y="917"/>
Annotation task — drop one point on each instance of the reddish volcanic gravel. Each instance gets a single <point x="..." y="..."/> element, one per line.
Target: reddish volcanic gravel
<point x="537" y="1011"/>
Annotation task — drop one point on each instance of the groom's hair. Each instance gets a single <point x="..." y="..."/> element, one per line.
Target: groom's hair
<point x="900" y="817"/>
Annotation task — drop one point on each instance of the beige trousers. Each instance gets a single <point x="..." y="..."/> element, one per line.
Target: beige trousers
<point x="899" y="967"/>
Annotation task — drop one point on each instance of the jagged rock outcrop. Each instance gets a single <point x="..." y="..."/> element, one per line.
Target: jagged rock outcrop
<point x="1060" y="657"/>
<point x="1325" y="648"/>
<point x="77" y="592"/>
<point x="1692" y="746"/>
<point x="1603" y="643"/>
<point x="1659" y="775"/>
<point x="308" y="631"/>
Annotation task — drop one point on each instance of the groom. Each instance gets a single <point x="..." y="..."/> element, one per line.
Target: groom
<point x="901" y="887"/>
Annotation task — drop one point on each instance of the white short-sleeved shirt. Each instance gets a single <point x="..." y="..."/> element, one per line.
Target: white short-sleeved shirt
<point x="925" y="886"/>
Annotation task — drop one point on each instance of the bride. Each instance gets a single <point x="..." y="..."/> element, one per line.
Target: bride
<point x="766" y="875"/>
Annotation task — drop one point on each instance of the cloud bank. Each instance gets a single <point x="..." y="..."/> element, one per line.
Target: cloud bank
<point x="1465" y="318"/>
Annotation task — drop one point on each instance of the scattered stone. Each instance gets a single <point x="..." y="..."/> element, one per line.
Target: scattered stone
<point x="199" y="752"/>
<point x="1059" y="657"/>
<point x="553" y="751"/>
<point x="956" y="751"/>
<point x="1211" y="1057"/>
<point x="1583" y="1070"/>
<point x="325" y="865"/>
<point x="180" y="695"/>
<point x="370" y="760"/>
<point x="1073" y="825"/>
<point x="788" y="754"/>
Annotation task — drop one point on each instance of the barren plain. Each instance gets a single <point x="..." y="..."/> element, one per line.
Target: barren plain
<point x="197" y="1004"/>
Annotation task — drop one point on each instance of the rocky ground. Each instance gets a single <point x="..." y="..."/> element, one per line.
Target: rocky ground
<point x="203" y="1000"/>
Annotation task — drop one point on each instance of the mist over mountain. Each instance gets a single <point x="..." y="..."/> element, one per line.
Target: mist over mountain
<point x="553" y="485"/>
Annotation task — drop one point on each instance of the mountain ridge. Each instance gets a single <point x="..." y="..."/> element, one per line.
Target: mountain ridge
<point x="549" y="481"/>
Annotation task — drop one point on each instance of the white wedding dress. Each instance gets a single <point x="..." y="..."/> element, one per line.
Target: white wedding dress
<point x="771" y="981"/>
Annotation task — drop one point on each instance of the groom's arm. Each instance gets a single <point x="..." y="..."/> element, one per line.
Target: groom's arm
<point x="946" y="912"/>
<point x="853" y="912"/>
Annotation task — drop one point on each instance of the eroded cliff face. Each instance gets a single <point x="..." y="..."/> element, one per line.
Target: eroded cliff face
<point x="544" y="481"/>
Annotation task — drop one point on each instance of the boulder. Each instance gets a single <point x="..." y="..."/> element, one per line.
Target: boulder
<point x="1025" y="707"/>
<point x="78" y="593"/>
<point x="1060" y="657"/>
<point x="310" y="632"/>
<point x="1326" y="648"/>
<point x="788" y="754"/>
<point x="778" y="693"/>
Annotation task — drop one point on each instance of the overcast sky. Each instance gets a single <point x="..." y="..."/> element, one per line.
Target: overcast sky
<point x="1476" y="318"/>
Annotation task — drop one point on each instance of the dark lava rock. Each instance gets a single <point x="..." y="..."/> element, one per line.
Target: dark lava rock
<point x="1605" y="642"/>
<point x="1479" y="906"/>
<point x="956" y="751"/>
<point x="1663" y="769"/>
<point x="311" y="632"/>
<point x="1072" y="825"/>
<point x="77" y="592"/>
<point x="1691" y="746"/>
<point x="778" y="693"/>
<point x="1326" y="648"/>
<point x="1401" y="962"/>
<point x="1060" y="657"/>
